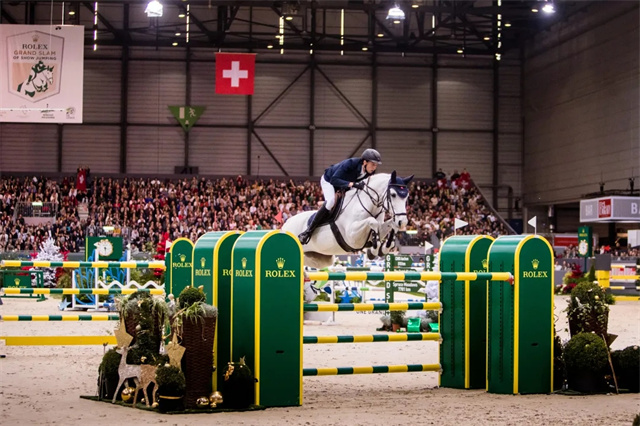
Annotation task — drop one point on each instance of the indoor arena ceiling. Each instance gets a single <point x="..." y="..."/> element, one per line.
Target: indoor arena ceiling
<point x="481" y="27"/>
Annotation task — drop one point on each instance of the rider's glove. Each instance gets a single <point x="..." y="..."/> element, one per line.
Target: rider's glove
<point x="358" y="185"/>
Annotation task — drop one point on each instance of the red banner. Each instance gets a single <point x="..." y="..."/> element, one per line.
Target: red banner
<point x="81" y="180"/>
<point x="235" y="73"/>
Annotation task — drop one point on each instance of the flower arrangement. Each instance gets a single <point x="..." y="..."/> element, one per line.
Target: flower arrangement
<point x="587" y="310"/>
<point x="571" y="279"/>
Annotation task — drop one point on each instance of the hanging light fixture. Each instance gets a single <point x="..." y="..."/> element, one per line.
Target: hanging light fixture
<point x="395" y="14"/>
<point x="154" y="9"/>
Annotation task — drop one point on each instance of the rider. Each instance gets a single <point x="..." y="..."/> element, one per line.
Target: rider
<point x="349" y="173"/>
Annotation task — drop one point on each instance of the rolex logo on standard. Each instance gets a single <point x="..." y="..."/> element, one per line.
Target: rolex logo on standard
<point x="535" y="264"/>
<point x="280" y="272"/>
<point x="182" y="261"/>
<point x="244" y="272"/>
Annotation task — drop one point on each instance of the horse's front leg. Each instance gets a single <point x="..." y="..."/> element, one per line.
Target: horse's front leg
<point x="387" y="244"/>
<point x="358" y="232"/>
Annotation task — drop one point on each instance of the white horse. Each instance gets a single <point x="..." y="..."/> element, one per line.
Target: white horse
<point x="39" y="80"/>
<point x="361" y="222"/>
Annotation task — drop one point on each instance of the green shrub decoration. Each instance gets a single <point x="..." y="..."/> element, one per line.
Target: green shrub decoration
<point x="110" y="363"/>
<point x="586" y="352"/>
<point x="626" y="364"/>
<point x="171" y="381"/>
<point x="587" y="310"/>
<point x="398" y="317"/>
<point x="189" y="296"/>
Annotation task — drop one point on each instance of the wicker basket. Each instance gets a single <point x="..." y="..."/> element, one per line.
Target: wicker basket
<point x="197" y="362"/>
<point x="130" y="324"/>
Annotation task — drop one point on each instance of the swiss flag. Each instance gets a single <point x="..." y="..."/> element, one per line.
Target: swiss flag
<point x="235" y="73"/>
<point x="81" y="180"/>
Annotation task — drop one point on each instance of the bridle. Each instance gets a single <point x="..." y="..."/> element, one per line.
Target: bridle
<point x="381" y="203"/>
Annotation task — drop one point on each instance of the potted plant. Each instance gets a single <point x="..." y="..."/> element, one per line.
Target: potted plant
<point x="586" y="359"/>
<point x="587" y="310"/>
<point x="397" y="319"/>
<point x="196" y="323"/>
<point x="626" y="365"/>
<point x="144" y="318"/>
<point x="189" y="296"/>
<point x="171" y="388"/>
<point x="108" y="373"/>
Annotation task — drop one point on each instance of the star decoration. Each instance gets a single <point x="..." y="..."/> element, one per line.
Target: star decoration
<point x="175" y="352"/>
<point x="124" y="339"/>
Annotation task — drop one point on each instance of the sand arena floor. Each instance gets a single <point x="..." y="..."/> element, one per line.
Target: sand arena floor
<point x="42" y="385"/>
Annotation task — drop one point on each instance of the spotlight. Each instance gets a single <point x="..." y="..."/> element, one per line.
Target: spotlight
<point x="396" y="14"/>
<point x="548" y="8"/>
<point x="154" y="9"/>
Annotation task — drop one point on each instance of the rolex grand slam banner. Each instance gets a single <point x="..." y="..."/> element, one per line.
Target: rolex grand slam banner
<point x="41" y="73"/>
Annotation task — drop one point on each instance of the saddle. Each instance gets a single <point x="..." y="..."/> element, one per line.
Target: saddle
<point x="331" y="221"/>
<point x="335" y="212"/>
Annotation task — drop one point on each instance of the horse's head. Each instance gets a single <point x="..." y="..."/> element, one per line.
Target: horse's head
<point x="41" y="76"/>
<point x="397" y="195"/>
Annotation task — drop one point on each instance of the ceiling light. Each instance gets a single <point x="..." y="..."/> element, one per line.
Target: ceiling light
<point x="507" y="24"/>
<point x="175" y="43"/>
<point x="548" y="8"/>
<point x="178" y="34"/>
<point x="460" y="51"/>
<point x="365" y="48"/>
<point x="396" y="14"/>
<point x="289" y="18"/>
<point x="487" y="38"/>
<point x="182" y="15"/>
<point x="380" y="35"/>
<point x="270" y="46"/>
<point x="397" y="21"/>
<point x="534" y="10"/>
<point x="415" y="5"/>
<point x="72" y="12"/>
<point x="154" y="9"/>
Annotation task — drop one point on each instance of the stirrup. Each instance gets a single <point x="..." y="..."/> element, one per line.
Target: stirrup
<point x="305" y="237"/>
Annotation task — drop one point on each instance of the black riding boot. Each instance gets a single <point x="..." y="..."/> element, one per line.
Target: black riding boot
<point x="321" y="215"/>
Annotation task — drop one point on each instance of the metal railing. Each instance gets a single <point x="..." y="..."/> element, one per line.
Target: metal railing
<point x="36" y="209"/>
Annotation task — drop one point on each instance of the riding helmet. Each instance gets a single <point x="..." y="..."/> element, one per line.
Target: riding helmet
<point x="371" y="154"/>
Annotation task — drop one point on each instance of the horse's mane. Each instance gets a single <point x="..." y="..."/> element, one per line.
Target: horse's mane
<point x="379" y="179"/>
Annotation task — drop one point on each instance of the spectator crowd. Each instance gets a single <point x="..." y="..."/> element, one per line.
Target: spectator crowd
<point x="148" y="210"/>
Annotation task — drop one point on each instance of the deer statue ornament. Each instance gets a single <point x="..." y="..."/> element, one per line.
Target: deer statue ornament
<point x="143" y="375"/>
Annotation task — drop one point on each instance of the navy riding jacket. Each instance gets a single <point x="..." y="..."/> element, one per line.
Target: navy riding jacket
<point x="347" y="171"/>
